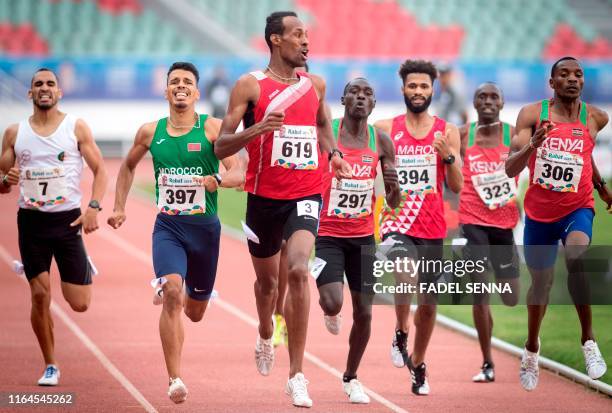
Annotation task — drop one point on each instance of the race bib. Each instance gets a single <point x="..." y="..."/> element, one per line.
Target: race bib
<point x="180" y="195"/>
<point x="295" y="147"/>
<point x="417" y="173"/>
<point x="557" y="170"/>
<point x="43" y="186"/>
<point x="495" y="189"/>
<point x="350" y="198"/>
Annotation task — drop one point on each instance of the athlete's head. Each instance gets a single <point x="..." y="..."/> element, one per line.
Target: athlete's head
<point x="358" y="98"/>
<point x="567" y="78"/>
<point x="44" y="89"/>
<point x="286" y="34"/>
<point x="182" y="85"/>
<point x="488" y="102"/>
<point x="417" y="77"/>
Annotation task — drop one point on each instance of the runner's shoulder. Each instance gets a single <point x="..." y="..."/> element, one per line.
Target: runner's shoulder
<point x="212" y="126"/>
<point x="146" y="132"/>
<point x="384" y="125"/>
<point x="530" y="113"/>
<point x="10" y="132"/>
<point x="599" y="115"/>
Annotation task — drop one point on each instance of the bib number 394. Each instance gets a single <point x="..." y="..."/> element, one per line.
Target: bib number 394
<point x="43" y="186"/>
<point x="557" y="170"/>
<point x="180" y="195"/>
<point x="350" y="198"/>
<point x="417" y="173"/>
<point x="295" y="147"/>
<point x="494" y="188"/>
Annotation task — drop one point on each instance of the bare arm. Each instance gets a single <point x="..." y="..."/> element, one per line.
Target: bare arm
<point x="384" y="125"/>
<point x="601" y="120"/>
<point x="450" y="144"/>
<point x="233" y="176"/>
<point x="10" y="174"/>
<point x="387" y="164"/>
<point x="523" y="144"/>
<point x="141" y="145"/>
<point x="90" y="151"/>
<point x="246" y="90"/>
<point x="324" y="130"/>
<point x="463" y="136"/>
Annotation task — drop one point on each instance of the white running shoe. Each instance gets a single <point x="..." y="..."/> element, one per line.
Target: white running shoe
<point x="158" y="297"/>
<point x="50" y="377"/>
<point x="530" y="371"/>
<point x="354" y="390"/>
<point x="177" y="391"/>
<point x="264" y="355"/>
<point x="333" y="323"/>
<point x="398" y="349"/>
<point x="296" y="388"/>
<point x="594" y="362"/>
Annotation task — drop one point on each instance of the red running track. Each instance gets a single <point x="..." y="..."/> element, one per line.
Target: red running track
<point x="218" y="365"/>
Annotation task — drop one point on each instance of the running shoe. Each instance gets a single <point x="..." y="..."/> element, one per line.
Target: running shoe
<point x="280" y="331"/>
<point x="333" y="323"/>
<point x="158" y="297"/>
<point x="418" y="374"/>
<point x="264" y="355"/>
<point x="354" y="390"/>
<point x="398" y="349"/>
<point x="177" y="391"/>
<point x="50" y="377"/>
<point x="297" y="389"/>
<point x="529" y="372"/>
<point x="594" y="362"/>
<point x="486" y="375"/>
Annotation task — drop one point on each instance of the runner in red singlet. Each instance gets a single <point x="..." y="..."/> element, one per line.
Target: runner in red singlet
<point x="285" y="123"/>
<point x="347" y="225"/>
<point x="488" y="210"/>
<point x="426" y="154"/>
<point x="555" y="139"/>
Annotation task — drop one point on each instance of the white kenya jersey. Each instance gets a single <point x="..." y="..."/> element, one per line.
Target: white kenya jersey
<point x="50" y="167"/>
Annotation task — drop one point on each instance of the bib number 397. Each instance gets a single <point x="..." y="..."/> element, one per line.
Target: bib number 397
<point x="180" y="195"/>
<point x="557" y="170"/>
<point x="295" y="147"/>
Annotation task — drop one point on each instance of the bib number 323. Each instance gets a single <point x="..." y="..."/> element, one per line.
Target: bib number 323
<point x="295" y="147"/>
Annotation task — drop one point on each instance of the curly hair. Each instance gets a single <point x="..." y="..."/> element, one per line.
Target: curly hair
<point x="418" y="66"/>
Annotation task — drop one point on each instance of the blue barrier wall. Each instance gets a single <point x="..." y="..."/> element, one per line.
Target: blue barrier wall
<point x="145" y="78"/>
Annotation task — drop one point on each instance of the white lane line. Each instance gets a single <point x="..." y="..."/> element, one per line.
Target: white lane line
<point x="238" y="313"/>
<point x="72" y="326"/>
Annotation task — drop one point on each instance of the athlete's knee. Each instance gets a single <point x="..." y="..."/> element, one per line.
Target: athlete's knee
<point x="362" y="316"/>
<point x="480" y="308"/>
<point x="510" y="300"/>
<point x="298" y="273"/>
<point x="266" y="285"/>
<point x="173" y="296"/>
<point x="425" y="312"/>
<point x="329" y="304"/>
<point x="79" y="306"/>
<point x="193" y="314"/>
<point x="41" y="295"/>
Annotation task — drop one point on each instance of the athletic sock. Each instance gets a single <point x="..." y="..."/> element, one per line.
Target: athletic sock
<point x="347" y="379"/>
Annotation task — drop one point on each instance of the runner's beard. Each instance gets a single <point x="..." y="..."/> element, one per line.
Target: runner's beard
<point x="417" y="109"/>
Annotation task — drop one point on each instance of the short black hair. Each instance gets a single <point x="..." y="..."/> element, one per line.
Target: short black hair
<point x="489" y="83"/>
<point x="274" y="24"/>
<point x="43" y="69"/>
<point x="346" y="87"/>
<point x="190" y="67"/>
<point x="418" y="66"/>
<point x="563" y="59"/>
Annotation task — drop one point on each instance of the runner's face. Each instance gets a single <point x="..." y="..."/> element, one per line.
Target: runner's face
<point x="294" y="42"/>
<point x="182" y="91"/>
<point x="45" y="92"/>
<point x="488" y="102"/>
<point x="359" y="99"/>
<point x="417" y="91"/>
<point x="568" y="79"/>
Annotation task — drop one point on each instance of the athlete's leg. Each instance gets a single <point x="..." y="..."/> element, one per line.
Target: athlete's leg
<point x="194" y="309"/>
<point x="299" y="246"/>
<point x="40" y="315"/>
<point x="424" y="322"/>
<point x="331" y="297"/>
<point x="360" y="332"/>
<point x="282" y="280"/>
<point x="483" y="320"/>
<point x="78" y="296"/>
<point x="171" y="325"/>
<point x="266" y="289"/>
<point x="576" y="244"/>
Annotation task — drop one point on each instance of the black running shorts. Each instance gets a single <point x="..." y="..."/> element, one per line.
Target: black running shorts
<point x="43" y="235"/>
<point x="271" y="219"/>
<point x="495" y="245"/>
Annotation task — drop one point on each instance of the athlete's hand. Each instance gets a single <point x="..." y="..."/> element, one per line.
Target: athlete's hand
<point x="389" y="175"/>
<point x="209" y="182"/>
<point x="273" y="121"/>
<point x="117" y="219"/>
<point x="12" y="177"/>
<point x="441" y="144"/>
<point x="606" y="196"/>
<point x="341" y="168"/>
<point x="541" y="134"/>
<point x="89" y="220"/>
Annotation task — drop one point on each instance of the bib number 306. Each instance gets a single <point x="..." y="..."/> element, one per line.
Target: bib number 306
<point x="557" y="170"/>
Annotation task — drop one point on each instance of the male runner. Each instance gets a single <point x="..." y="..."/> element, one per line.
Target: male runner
<point x="555" y="139"/>
<point x="187" y="230"/>
<point x="49" y="148"/>
<point x="426" y="153"/>
<point x="285" y="122"/>
<point x="488" y="210"/>
<point x="347" y="224"/>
